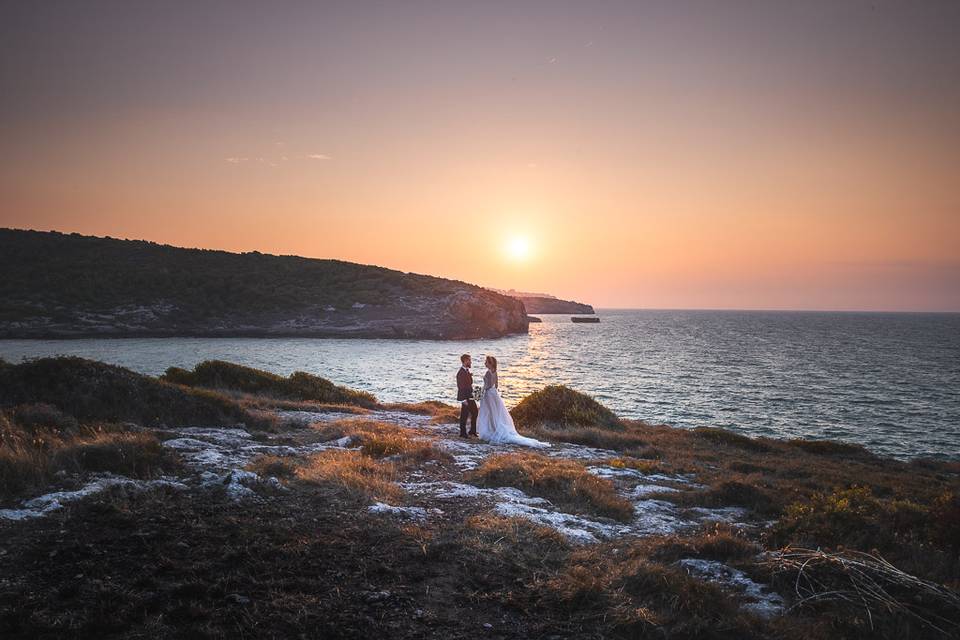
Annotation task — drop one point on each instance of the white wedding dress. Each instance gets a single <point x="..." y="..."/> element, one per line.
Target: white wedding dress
<point x="494" y="423"/>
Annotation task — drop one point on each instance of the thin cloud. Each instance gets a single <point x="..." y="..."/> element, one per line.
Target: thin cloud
<point x="318" y="156"/>
<point x="235" y="160"/>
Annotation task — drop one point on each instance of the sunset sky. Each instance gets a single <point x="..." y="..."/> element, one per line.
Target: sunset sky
<point x="780" y="155"/>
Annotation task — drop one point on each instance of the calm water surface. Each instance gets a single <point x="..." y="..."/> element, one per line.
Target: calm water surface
<point x="888" y="381"/>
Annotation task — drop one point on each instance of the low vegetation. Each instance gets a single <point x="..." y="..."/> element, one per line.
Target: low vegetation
<point x="358" y="475"/>
<point x="270" y="466"/>
<point x="298" y="386"/>
<point x="631" y="596"/>
<point x="560" y="406"/>
<point x="731" y="439"/>
<point x="94" y="391"/>
<point x="822" y="493"/>
<point x="719" y="542"/>
<point x="38" y="443"/>
<point x="382" y="440"/>
<point x="367" y="473"/>
<point x="866" y="547"/>
<point x="563" y="482"/>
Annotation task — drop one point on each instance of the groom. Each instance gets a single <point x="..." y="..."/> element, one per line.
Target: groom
<point x="468" y="406"/>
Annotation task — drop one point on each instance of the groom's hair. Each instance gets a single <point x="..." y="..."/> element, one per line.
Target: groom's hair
<point x="464" y="357"/>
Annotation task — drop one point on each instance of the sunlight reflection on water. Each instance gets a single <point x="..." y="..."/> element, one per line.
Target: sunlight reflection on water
<point x="889" y="381"/>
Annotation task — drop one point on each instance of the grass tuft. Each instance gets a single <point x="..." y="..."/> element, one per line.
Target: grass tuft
<point x="268" y="466"/>
<point x="564" y="482"/>
<point x="353" y="473"/>
<point x="383" y="440"/>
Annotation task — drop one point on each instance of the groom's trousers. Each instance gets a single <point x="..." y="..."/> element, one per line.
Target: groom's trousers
<point x="468" y="408"/>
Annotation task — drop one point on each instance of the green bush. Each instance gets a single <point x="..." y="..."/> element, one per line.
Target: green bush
<point x="561" y="406"/>
<point x="217" y="374"/>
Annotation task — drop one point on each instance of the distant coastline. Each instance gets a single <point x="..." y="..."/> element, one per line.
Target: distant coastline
<point x="65" y="286"/>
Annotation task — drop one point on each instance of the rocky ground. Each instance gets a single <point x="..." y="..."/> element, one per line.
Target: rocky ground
<point x="55" y="588"/>
<point x="230" y="502"/>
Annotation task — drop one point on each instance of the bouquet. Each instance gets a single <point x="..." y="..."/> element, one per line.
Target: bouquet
<point x="477" y="393"/>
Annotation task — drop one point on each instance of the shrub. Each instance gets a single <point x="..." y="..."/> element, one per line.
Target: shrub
<point x="852" y="517"/>
<point x="945" y="521"/>
<point x="565" y="482"/>
<point x="138" y="455"/>
<point x="31" y="456"/>
<point x="729" y="438"/>
<point x="558" y="405"/>
<point x="90" y="390"/>
<point x="217" y="374"/>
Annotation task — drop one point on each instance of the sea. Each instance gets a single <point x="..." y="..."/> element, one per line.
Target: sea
<point x="888" y="381"/>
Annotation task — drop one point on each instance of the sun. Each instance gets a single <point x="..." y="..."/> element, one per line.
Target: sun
<point x="518" y="247"/>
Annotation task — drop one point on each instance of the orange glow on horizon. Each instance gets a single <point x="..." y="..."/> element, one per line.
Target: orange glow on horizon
<point x="724" y="158"/>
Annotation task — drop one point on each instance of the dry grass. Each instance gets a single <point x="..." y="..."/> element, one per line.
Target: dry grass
<point x="598" y="438"/>
<point x="441" y="412"/>
<point x="731" y="439"/>
<point x="37" y="442"/>
<point x="512" y="531"/>
<point x="357" y="475"/>
<point x="917" y="501"/>
<point x="268" y="466"/>
<point x="383" y="440"/>
<point x="368" y="473"/>
<point x="867" y="594"/>
<point x="636" y="597"/>
<point x="725" y="493"/>
<point x="719" y="542"/>
<point x="564" y="482"/>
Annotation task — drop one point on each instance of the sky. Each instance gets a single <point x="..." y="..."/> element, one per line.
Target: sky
<point x="757" y="155"/>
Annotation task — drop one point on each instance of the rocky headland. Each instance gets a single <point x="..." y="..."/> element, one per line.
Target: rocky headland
<point x="58" y="285"/>
<point x="543" y="303"/>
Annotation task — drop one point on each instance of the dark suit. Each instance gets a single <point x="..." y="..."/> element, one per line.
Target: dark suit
<point x="468" y="406"/>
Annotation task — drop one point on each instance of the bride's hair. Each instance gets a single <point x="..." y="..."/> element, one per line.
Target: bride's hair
<point x="491" y="362"/>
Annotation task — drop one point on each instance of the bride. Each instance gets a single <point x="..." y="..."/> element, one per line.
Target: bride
<point x="494" y="423"/>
